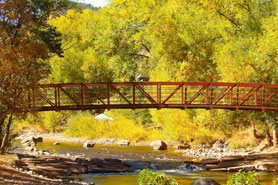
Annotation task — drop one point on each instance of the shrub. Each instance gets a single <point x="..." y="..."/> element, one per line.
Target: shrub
<point x="178" y="126"/>
<point x="148" y="177"/>
<point x="243" y="137"/>
<point x="275" y="181"/>
<point x="84" y="124"/>
<point x="243" y="178"/>
<point x="51" y="121"/>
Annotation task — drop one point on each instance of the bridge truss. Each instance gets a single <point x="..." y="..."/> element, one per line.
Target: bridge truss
<point x="138" y="95"/>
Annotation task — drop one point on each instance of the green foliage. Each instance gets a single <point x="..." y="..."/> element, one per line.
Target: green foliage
<point x="148" y="177"/>
<point x="243" y="178"/>
<point x="275" y="181"/>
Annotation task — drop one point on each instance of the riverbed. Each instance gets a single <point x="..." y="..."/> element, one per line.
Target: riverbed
<point x="141" y="157"/>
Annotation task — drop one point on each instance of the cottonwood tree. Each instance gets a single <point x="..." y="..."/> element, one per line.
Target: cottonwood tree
<point x="25" y="41"/>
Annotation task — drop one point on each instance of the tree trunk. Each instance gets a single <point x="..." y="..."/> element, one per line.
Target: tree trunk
<point x="1" y="127"/>
<point x="6" y="136"/>
<point x="255" y="132"/>
<point x="268" y="137"/>
<point x="275" y="141"/>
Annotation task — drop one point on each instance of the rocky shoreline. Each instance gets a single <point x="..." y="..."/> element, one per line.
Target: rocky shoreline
<point x="11" y="175"/>
<point x="60" y="167"/>
<point x="64" y="167"/>
<point x="218" y="157"/>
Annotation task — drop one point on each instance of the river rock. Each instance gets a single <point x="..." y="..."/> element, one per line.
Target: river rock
<point x="56" y="143"/>
<point x="159" y="145"/>
<point x="206" y="181"/>
<point x="31" y="148"/>
<point x="28" y="142"/>
<point x="89" y="144"/>
<point x="37" y="139"/>
<point x="268" y="167"/>
<point x="123" y="142"/>
<point x="105" y="141"/>
<point x="182" y="146"/>
<point x="218" y="144"/>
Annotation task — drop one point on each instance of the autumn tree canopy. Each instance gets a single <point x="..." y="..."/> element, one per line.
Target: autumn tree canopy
<point x="25" y="42"/>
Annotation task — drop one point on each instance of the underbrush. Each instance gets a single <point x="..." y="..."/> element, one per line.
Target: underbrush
<point x="84" y="124"/>
<point x="167" y="125"/>
<point x="242" y="138"/>
<point x="175" y="127"/>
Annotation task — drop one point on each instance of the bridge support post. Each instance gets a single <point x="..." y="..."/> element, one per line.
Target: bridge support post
<point x="108" y="96"/>
<point x="133" y="96"/>
<point x="158" y="89"/>
<point x="34" y="98"/>
<point x="82" y="95"/>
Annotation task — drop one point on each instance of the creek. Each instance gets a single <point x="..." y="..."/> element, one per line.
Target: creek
<point x="141" y="157"/>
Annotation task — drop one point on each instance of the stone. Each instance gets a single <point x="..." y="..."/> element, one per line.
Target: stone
<point x="123" y="142"/>
<point x="206" y="181"/>
<point x="26" y="140"/>
<point x="37" y="139"/>
<point x="268" y="167"/>
<point x="89" y="144"/>
<point x="105" y="141"/>
<point x="31" y="141"/>
<point x="218" y="144"/>
<point x="159" y="145"/>
<point x="30" y="148"/>
<point x="182" y="146"/>
<point x="56" y="143"/>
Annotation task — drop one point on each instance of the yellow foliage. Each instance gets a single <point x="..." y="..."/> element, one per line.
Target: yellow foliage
<point x="243" y="138"/>
<point x="84" y="124"/>
<point x="178" y="126"/>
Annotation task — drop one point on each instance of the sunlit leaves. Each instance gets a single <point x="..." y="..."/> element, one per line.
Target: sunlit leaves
<point x="23" y="48"/>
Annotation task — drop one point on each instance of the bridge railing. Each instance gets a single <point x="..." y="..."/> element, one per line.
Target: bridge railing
<point x="134" y="95"/>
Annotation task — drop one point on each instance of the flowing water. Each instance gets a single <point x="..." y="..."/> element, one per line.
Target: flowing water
<point x="141" y="157"/>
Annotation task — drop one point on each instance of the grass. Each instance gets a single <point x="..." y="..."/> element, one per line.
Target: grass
<point x="243" y="138"/>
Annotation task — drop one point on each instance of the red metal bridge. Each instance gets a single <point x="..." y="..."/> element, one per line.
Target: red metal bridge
<point x="137" y="95"/>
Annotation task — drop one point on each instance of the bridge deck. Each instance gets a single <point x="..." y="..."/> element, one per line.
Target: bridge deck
<point x="136" y="95"/>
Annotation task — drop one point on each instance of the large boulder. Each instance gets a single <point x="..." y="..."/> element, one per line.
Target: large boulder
<point x="31" y="141"/>
<point x="206" y="181"/>
<point x="123" y="142"/>
<point x="159" y="145"/>
<point x="89" y="144"/>
<point x="37" y="139"/>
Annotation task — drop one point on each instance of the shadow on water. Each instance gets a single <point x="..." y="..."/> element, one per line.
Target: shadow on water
<point x="142" y="157"/>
